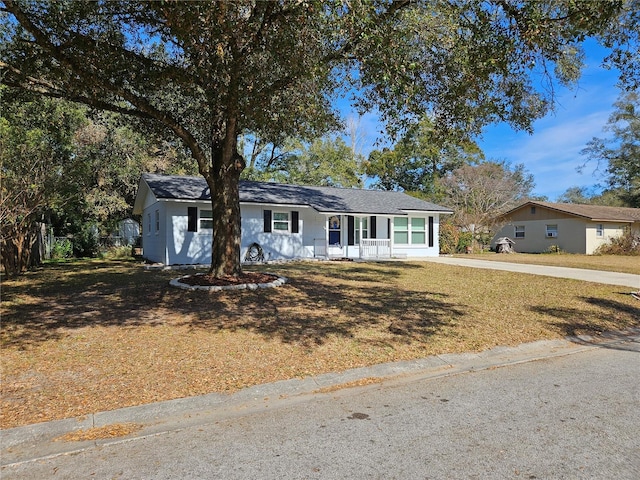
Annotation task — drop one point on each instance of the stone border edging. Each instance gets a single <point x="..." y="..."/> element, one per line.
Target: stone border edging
<point x="217" y="288"/>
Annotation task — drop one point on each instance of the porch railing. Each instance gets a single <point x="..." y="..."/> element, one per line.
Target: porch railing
<point x="375" y="248"/>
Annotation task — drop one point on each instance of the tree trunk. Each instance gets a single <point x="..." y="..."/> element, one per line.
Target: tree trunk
<point x="223" y="181"/>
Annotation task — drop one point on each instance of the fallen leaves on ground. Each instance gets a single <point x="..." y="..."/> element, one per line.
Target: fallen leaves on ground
<point x="96" y="336"/>
<point x="114" y="430"/>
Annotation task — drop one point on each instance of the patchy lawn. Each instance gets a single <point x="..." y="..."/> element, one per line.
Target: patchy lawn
<point x="609" y="263"/>
<point x="99" y="335"/>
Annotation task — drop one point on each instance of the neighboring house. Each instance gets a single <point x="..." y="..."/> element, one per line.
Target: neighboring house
<point x="287" y="221"/>
<point x="537" y="226"/>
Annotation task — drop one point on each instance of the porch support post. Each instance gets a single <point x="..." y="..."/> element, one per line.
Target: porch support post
<point x="391" y="226"/>
<point x="326" y="236"/>
<point x="360" y="236"/>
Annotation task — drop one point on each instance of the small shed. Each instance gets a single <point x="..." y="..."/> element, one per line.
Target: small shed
<point x="505" y="245"/>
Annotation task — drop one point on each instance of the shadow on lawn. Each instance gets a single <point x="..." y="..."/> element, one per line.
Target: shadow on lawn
<point x="320" y="300"/>
<point x="307" y="311"/>
<point x="575" y="321"/>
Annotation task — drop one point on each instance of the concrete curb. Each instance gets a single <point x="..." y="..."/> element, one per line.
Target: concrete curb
<point x="37" y="441"/>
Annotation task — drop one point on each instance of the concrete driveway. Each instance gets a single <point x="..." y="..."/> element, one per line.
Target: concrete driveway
<point x="596" y="276"/>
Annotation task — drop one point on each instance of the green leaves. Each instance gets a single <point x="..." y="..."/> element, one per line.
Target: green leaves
<point x="620" y="154"/>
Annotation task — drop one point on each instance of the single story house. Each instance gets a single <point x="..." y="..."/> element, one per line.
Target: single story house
<point x="286" y="221"/>
<point x="573" y="228"/>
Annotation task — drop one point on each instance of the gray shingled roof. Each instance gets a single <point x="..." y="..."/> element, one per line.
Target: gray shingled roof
<point x="322" y="199"/>
<point x="590" y="212"/>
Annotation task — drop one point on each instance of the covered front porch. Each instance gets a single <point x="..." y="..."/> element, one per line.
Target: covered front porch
<point x="373" y="237"/>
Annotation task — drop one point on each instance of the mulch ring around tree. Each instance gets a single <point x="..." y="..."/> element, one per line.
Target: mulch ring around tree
<point x="247" y="280"/>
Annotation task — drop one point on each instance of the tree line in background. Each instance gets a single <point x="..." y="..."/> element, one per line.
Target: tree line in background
<point x="77" y="170"/>
<point x="207" y="73"/>
<point x="73" y="170"/>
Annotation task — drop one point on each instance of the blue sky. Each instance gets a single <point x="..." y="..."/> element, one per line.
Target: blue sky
<point x="552" y="152"/>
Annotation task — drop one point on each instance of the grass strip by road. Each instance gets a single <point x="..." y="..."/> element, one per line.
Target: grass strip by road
<point x="92" y="336"/>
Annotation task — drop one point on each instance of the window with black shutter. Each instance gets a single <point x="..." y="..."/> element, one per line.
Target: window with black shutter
<point x="267" y="221"/>
<point x="192" y="222"/>
<point x="431" y="239"/>
<point x="351" y="233"/>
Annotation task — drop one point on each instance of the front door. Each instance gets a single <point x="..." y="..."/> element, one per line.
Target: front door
<point x="335" y="236"/>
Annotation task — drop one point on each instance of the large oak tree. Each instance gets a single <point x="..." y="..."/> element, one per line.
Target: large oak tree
<point x="208" y="71"/>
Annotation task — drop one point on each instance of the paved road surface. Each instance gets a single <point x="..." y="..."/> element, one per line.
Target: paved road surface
<point x="570" y="416"/>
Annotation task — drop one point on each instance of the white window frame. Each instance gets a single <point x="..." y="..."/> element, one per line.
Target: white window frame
<point x="551" y="231"/>
<point x="414" y="229"/>
<point x="364" y="222"/>
<point x="280" y="221"/>
<point x="517" y="230"/>
<point x="410" y="230"/>
<point x="205" y="220"/>
<point x="600" y="230"/>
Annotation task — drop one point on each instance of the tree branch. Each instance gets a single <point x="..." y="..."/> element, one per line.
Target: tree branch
<point x="142" y="105"/>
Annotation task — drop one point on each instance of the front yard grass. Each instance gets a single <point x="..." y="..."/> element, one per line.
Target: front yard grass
<point x="90" y="336"/>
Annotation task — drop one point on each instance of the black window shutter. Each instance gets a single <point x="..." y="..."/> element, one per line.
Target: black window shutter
<point x="431" y="231"/>
<point x="192" y="219"/>
<point x="372" y="227"/>
<point x="267" y="221"/>
<point x="351" y="230"/>
<point x="295" y="220"/>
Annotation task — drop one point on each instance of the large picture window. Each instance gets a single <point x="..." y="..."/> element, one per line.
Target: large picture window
<point x="411" y="231"/>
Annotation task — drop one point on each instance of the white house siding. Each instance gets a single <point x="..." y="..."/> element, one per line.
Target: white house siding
<point x="184" y="247"/>
<point x="279" y="245"/>
<point x="152" y="239"/>
<point x="173" y="244"/>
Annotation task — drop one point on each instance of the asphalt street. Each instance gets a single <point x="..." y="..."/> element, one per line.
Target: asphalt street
<point x="574" y="414"/>
<point x="550" y="409"/>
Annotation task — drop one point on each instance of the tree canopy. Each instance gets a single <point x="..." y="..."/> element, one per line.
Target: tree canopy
<point x="420" y="159"/>
<point x="620" y="153"/>
<point x="71" y="168"/>
<point x="325" y="161"/>
<point x="209" y="71"/>
<point x="480" y="193"/>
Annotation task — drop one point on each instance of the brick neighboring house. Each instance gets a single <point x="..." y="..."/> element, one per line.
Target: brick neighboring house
<point x="574" y="228"/>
